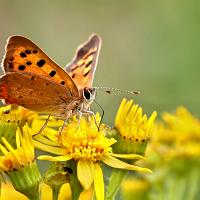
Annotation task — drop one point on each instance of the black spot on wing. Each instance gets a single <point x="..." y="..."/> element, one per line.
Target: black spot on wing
<point x="86" y="73"/>
<point x="35" y="51"/>
<point x="77" y="66"/>
<point x="40" y="63"/>
<point x="88" y="64"/>
<point x="21" y="67"/>
<point x="62" y="82"/>
<point x="52" y="73"/>
<point x="22" y="54"/>
<point x="27" y="51"/>
<point x="28" y="63"/>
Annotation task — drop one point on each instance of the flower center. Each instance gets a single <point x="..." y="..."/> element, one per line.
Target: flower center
<point x="85" y="142"/>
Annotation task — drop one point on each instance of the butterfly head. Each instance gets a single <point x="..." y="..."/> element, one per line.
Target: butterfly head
<point x="89" y="95"/>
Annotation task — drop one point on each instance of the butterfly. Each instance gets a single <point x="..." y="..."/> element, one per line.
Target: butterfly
<point x="34" y="81"/>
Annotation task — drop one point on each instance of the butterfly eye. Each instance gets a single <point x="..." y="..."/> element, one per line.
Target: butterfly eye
<point x="86" y="94"/>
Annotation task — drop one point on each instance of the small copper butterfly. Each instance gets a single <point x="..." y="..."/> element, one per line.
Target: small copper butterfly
<point x="34" y="81"/>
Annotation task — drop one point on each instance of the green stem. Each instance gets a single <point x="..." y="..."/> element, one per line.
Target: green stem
<point x="193" y="183"/>
<point x="56" y="191"/>
<point x="115" y="181"/>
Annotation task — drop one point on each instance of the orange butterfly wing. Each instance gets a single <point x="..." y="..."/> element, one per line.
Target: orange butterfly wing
<point x="37" y="93"/>
<point x="83" y="65"/>
<point x="23" y="55"/>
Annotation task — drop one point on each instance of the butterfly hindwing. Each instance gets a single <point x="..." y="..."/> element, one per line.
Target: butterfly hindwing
<point x="83" y="65"/>
<point x="36" y="92"/>
<point x="22" y="55"/>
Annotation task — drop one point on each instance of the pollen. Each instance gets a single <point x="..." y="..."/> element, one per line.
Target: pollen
<point x="84" y="141"/>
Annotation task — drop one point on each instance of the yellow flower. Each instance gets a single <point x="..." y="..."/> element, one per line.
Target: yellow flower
<point x="178" y="134"/>
<point x="135" y="129"/>
<point x="13" y="116"/>
<point x="16" y="114"/>
<point x="19" y="163"/>
<point x="13" y="159"/>
<point x="10" y="119"/>
<point x="86" y="146"/>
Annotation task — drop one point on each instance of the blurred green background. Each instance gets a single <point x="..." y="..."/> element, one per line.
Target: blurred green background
<point x="151" y="46"/>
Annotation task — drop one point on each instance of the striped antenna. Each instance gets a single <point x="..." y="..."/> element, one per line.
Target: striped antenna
<point x="109" y="90"/>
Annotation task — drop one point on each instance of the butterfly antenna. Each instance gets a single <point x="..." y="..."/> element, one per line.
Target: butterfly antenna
<point x="109" y="90"/>
<point x="101" y="115"/>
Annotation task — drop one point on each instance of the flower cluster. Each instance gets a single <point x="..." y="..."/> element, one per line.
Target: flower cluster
<point x="79" y="155"/>
<point x="85" y="146"/>
<point x="178" y="135"/>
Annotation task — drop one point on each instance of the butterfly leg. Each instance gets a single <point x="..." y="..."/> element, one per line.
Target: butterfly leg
<point x="44" y="125"/>
<point x="92" y="113"/>
<point x="64" y="123"/>
<point x="79" y="119"/>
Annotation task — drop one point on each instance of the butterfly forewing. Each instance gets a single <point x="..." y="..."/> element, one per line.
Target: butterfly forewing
<point x="37" y="93"/>
<point x="24" y="56"/>
<point x="83" y="65"/>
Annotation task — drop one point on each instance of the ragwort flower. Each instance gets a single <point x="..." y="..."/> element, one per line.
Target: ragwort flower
<point x="178" y="135"/>
<point x="134" y="128"/>
<point x="19" y="163"/>
<point x="85" y="145"/>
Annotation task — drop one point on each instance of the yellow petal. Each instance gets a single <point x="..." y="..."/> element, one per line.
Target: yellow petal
<point x="87" y="194"/>
<point x="50" y="149"/>
<point x="11" y="150"/>
<point x="53" y="122"/>
<point x="8" y="192"/>
<point x="98" y="182"/>
<point x="44" y="140"/>
<point x="54" y="159"/>
<point x="3" y="149"/>
<point x="45" y="191"/>
<point x="116" y="163"/>
<point x="85" y="173"/>
<point x="127" y="156"/>
<point x="65" y="192"/>
<point x="17" y="138"/>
